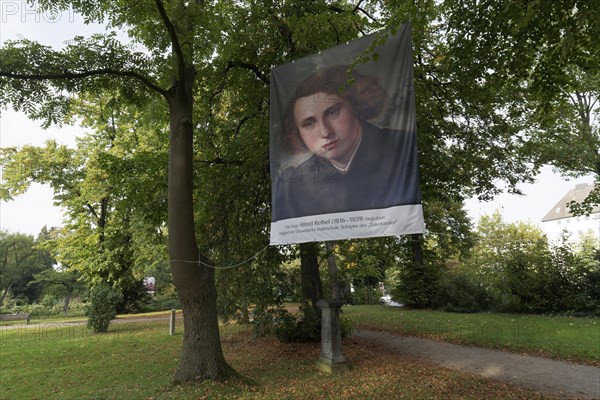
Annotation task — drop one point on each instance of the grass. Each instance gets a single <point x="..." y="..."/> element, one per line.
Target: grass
<point x="574" y="339"/>
<point x="138" y="360"/>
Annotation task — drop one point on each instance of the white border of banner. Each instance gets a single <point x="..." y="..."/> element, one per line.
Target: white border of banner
<point x="393" y="221"/>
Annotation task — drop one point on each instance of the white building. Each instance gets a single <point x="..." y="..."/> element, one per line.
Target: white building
<point x="559" y="219"/>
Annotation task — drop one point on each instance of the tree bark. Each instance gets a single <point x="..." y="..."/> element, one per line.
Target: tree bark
<point x="5" y="293"/>
<point x="312" y="287"/>
<point x="67" y="300"/>
<point x="332" y="269"/>
<point x="416" y="245"/>
<point x="202" y="356"/>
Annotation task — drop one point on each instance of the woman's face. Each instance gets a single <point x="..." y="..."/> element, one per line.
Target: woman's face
<point x="328" y="126"/>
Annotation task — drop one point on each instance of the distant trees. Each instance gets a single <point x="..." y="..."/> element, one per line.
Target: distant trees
<point x="20" y="261"/>
<point x="60" y="282"/>
<point x="512" y="268"/>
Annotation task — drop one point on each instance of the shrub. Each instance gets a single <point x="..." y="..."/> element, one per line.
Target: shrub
<point x="364" y="294"/>
<point x="459" y="292"/>
<point x="44" y="309"/>
<point x="41" y="310"/>
<point x="265" y="320"/>
<point x="102" y="307"/>
<point x="162" y="302"/>
<point x="305" y="327"/>
<point x="134" y="299"/>
<point x="417" y="285"/>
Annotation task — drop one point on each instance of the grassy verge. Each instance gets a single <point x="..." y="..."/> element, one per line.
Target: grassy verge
<point x="575" y="339"/>
<point x="137" y="361"/>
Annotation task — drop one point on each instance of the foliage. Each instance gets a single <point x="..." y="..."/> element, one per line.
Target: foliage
<point x="259" y="284"/>
<point x="444" y="246"/>
<point x="304" y="327"/>
<point x="417" y="285"/>
<point x="161" y="303"/>
<point x="288" y="327"/>
<point x="264" y="321"/>
<point x="50" y="306"/>
<point x="511" y="268"/>
<point x="20" y="261"/>
<point x="134" y="298"/>
<point x="112" y="187"/>
<point x="363" y="265"/>
<point x="460" y="292"/>
<point x="547" y="55"/>
<point x="579" y="267"/>
<point x="102" y="307"/>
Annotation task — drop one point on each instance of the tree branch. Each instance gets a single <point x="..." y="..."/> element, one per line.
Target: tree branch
<point x="85" y="74"/>
<point x="221" y="161"/>
<point x="336" y="9"/>
<point x="337" y="34"/>
<point x="367" y="14"/>
<point x="174" y="39"/>
<point x="92" y="211"/>
<point x="357" y="7"/>
<point x="259" y="74"/>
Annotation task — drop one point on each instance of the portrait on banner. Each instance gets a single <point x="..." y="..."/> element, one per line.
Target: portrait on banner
<point x="343" y="145"/>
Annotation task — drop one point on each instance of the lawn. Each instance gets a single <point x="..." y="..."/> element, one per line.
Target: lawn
<point x="575" y="339"/>
<point x="137" y="361"/>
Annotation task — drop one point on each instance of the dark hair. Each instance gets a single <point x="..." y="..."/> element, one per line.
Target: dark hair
<point x="363" y="92"/>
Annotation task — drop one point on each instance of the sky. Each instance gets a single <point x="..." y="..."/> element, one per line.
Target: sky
<point x="33" y="210"/>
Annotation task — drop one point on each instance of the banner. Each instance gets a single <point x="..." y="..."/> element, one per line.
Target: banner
<point x="343" y="143"/>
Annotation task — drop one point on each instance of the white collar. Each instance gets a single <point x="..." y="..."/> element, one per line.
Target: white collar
<point x="344" y="170"/>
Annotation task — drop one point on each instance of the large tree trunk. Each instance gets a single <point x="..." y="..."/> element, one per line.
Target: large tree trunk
<point x="5" y="293"/>
<point x="202" y="356"/>
<point x="67" y="300"/>
<point x="312" y="287"/>
<point x="416" y="245"/>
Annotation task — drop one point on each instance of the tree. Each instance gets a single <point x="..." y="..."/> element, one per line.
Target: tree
<point x="61" y="282"/>
<point x="512" y="261"/>
<point x="108" y="186"/>
<point x="180" y="42"/>
<point x="36" y="78"/>
<point x="547" y="55"/>
<point x="20" y="260"/>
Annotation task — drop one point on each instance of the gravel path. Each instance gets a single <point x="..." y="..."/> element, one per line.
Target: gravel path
<point x="537" y="373"/>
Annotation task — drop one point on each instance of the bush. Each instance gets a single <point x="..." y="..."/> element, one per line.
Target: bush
<point x="287" y="328"/>
<point x="264" y="321"/>
<point x="41" y="310"/>
<point x="364" y="294"/>
<point x="459" y="292"/>
<point x="134" y="299"/>
<point x="102" y="307"/>
<point x="305" y="328"/>
<point x="161" y="303"/>
<point x="44" y="309"/>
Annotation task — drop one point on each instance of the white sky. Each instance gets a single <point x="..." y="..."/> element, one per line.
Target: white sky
<point x="30" y="212"/>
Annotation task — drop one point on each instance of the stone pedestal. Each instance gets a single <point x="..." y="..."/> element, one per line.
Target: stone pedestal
<point x="331" y="359"/>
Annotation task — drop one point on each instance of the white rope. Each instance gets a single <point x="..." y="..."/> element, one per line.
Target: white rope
<point x="472" y="236"/>
<point x="199" y="262"/>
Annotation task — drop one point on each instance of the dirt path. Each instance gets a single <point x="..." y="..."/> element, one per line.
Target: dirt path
<point x="537" y="373"/>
